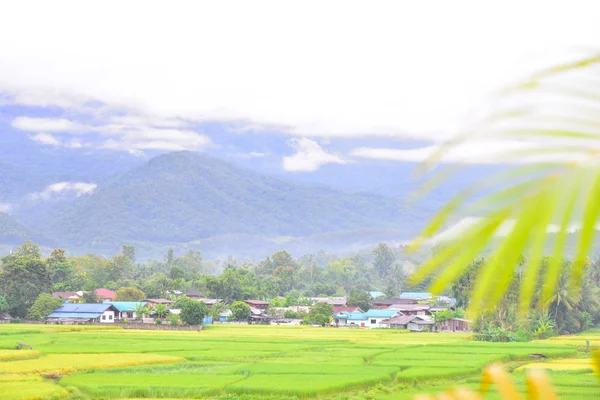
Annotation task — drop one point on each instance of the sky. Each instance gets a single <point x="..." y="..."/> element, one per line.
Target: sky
<point x="340" y="81"/>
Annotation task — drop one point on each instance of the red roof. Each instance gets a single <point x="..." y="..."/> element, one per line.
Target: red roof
<point x="106" y="294"/>
<point x="339" y="309"/>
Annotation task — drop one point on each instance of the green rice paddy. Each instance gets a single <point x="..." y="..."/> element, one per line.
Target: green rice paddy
<point x="253" y="362"/>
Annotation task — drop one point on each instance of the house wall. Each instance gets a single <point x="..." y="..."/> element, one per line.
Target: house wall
<point x="375" y="322"/>
<point x="108" y="317"/>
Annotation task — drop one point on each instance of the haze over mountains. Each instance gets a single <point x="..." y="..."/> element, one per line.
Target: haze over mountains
<point x="91" y="200"/>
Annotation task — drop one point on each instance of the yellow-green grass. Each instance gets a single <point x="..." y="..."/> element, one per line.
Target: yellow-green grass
<point x="29" y="387"/>
<point x="7" y="355"/>
<point x="257" y="361"/>
<point x="568" y="364"/>
<point x="157" y="385"/>
<point x="65" y="363"/>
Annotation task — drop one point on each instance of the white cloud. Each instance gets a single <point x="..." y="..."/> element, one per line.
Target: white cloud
<point x="58" y="189"/>
<point x="5" y="208"/>
<point x="309" y="156"/>
<point x="456" y="229"/>
<point x="46" y="125"/>
<point x="130" y="133"/>
<point x="46" y="138"/>
<point x="394" y="68"/>
<point x="485" y="152"/>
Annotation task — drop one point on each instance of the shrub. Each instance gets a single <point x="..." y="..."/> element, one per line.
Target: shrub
<point x="158" y="321"/>
<point x="43" y="306"/>
<point x="130" y="294"/>
<point x="240" y="311"/>
<point x="193" y="313"/>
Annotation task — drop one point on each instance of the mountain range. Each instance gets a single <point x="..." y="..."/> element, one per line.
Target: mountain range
<point x="190" y="200"/>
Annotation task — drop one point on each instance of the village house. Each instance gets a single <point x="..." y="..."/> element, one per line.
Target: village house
<point x="155" y="302"/>
<point x="350" y="319"/>
<point x="334" y="301"/>
<point x="72" y="297"/>
<point x="126" y="309"/>
<point x="258" y="304"/>
<point x="340" y="309"/>
<point x="104" y="313"/>
<point x="5" y="318"/>
<point x="412" y="309"/>
<point x="106" y="294"/>
<point x="373" y="318"/>
<point x="193" y="294"/>
<point x="210" y="302"/>
<point x="454" y="325"/>
<point x="382" y="304"/>
<point x="375" y="295"/>
<point x="420" y="323"/>
<point x="421" y="296"/>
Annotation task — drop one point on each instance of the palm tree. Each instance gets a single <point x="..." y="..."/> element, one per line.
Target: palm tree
<point x="140" y="310"/>
<point x="161" y="310"/>
<point x="553" y="117"/>
<point x="565" y="295"/>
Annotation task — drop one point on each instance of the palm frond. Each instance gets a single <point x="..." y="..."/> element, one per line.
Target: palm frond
<point x="554" y="181"/>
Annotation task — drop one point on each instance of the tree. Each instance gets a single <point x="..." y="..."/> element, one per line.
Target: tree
<point x="390" y="291"/>
<point x="43" y="306"/>
<point x="23" y="276"/>
<point x="180" y="302"/>
<point x="193" y="313"/>
<point x="240" y="311"/>
<point x="359" y="298"/>
<point x="141" y="310"/>
<point x="29" y="250"/>
<point x="130" y="294"/>
<point x="384" y="258"/>
<point x="170" y="257"/>
<point x="161" y="310"/>
<point x="3" y="305"/>
<point x="320" y="314"/>
<point x="129" y="252"/>
<point x="57" y="256"/>
<point x="91" y="297"/>
<point x="564" y="298"/>
<point x="63" y="276"/>
<point x="176" y="272"/>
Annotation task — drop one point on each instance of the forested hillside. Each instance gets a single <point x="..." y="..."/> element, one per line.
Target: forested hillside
<point x="184" y="197"/>
<point x="11" y="232"/>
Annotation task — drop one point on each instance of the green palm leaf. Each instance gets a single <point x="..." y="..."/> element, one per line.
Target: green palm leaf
<point x="554" y="181"/>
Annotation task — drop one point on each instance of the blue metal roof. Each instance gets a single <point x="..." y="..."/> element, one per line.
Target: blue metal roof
<point x="385" y="313"/>
<point x="376" y="294"/>
<point x="126" y="305"/>
<point x="76" y="315"/>
<point x="416" y="295"/>
<point x="83" y="308"/>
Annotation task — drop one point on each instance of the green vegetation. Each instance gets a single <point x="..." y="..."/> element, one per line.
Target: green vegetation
<point x="237" y="361"/>
<point x="193" y="313"/>
<point x="240" y="311"/>
<point x="232" y="201"/>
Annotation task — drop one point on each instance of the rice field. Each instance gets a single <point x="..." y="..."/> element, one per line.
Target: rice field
<point x="255" y="362"/>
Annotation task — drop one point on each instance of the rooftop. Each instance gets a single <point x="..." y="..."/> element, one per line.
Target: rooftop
<point x="126" y="305"/>
<point x="386" y="313"/>
<point x="106" y="293"/>
<point x="160" y="301"/>
<point x="257" y="302"/>
<point x="83" y="308"/>
<point x="416" y="295"/>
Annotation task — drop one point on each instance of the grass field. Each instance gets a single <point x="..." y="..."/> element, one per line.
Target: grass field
<point x="252" y="362"/>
